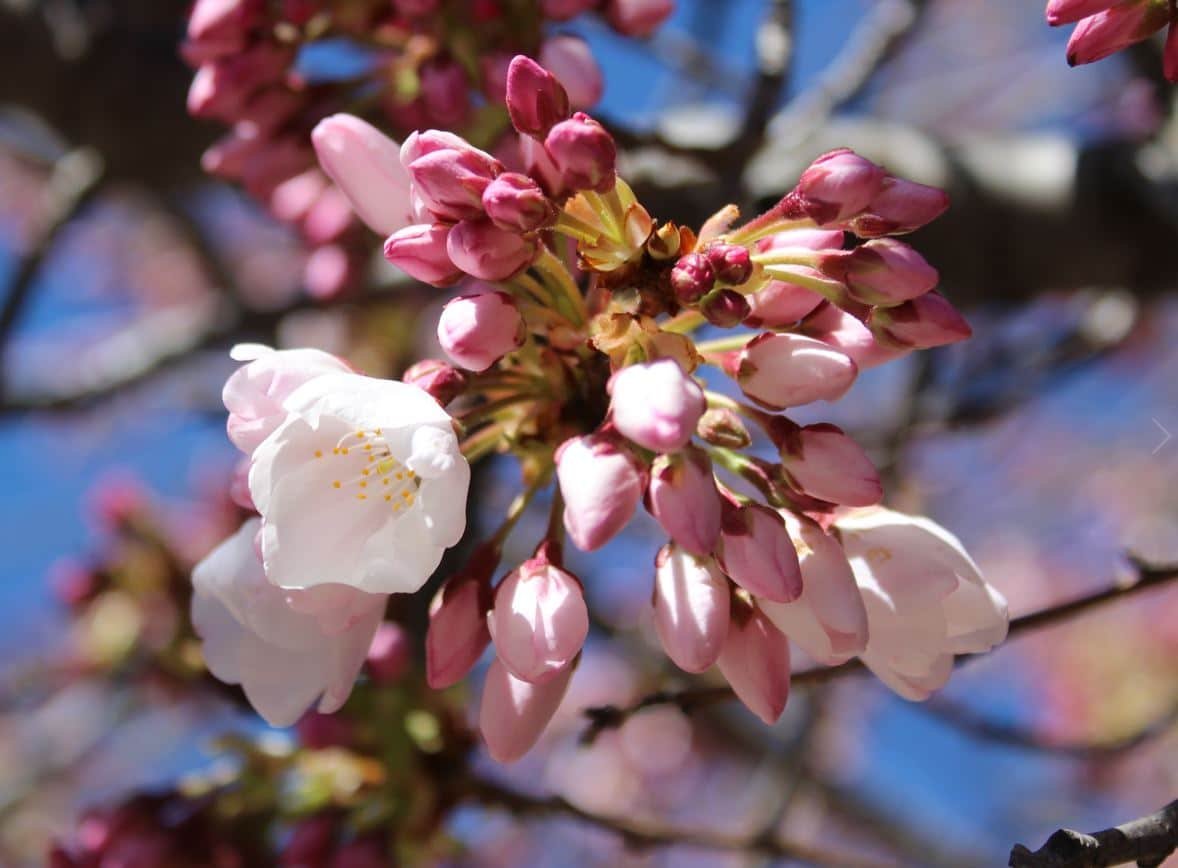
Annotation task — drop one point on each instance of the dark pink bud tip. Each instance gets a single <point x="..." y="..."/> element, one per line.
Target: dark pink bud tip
<point x="692" y="278"/>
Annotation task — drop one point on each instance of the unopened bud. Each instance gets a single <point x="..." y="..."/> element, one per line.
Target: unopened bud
<point x="536" y="101"/>
<point x="722" y="427"/>
<point x="516" y="203"/>
<point x="665" y="242"/>
<point x="725" y="308"/>
<point x="692" y="278"/>
<point x="584" y="153"/>
<point x="927" y="321"/>
<point x="442" y="380"/>
<point x="731" y="263"/>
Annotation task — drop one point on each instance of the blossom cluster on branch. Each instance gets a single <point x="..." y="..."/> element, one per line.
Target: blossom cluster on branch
<point x="423" y="63"/>
<point x="581" y="344"/>
<point x="1104" y="27"/>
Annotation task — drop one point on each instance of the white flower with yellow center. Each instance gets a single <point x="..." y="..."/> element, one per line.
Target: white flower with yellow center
<point x="363" y="484"/>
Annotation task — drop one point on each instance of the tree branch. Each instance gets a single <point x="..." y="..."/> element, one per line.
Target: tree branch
<point x="73" y="183"/>
<point x="1147" y="841"/>
<point x="639" y="833"/>
<point x="603" y="717"/>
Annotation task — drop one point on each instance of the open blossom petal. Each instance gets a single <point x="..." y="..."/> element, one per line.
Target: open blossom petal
<point x="363" y="485"/>
<point x="828" y="621"/>
<point x="254" y="393"/>
<point x="281" y="655"/>
<point x="925" y="597"/>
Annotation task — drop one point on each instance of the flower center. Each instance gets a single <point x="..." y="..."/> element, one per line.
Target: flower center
<point x="369" y="472"/>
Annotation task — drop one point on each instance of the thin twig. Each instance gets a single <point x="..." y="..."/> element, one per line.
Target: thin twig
<point x="641" y="833"/>
<point x="603" y="717"/>
<point x="74" y="181"/>
<point x="1147" y="841"/>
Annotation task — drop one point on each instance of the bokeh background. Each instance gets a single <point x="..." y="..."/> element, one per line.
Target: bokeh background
<point x="125" y="274"/>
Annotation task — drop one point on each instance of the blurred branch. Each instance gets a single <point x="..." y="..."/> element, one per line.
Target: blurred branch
<point x="640" y="833"/>
<point x="873" y="41"/>
<point x="1147" y="841"/>
<point x="603" y="717"/>
<point x="73" y="183"/>
<point x="971" y="723"/>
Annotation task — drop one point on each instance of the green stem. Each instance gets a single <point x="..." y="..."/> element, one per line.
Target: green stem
<point x="566" y="296"/>
<point x="725" y="344"/>
<point x="481" y="443"/>
<point x="517" y="508"/>
<point x="787" y="256"/>
<point x="577" y="228"/>
<point x="831" y="290"/>
<point x="751" y="232"/>
<point x="684" y="323"/>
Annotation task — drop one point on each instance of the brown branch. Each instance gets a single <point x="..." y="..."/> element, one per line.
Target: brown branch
<point x="873" y="41"/>
<point x="1147" y="841"/>
<point x="971" y="723"/>
<point x="73" y="183"/>
<point x="642" y="833"/>
<point x="603" y="717"/>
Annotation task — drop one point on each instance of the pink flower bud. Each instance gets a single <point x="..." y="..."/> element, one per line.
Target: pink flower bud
<point x="788" y="370"/>
<point x="756" y="552"/>
<point x="601" y="484"/>
<point x="828" y="621"/>
<point x="318" y="731"/>
<point x="451" y="181"/>
<point x="254" y="393"/>
<point x="516" y="203"/>
<point x="570" y="59"/>
<point x="723" y="427"/>
<point x="293" y="198"/>
<point x="639" y="18"/>
<point x="846" y="333"/>
<point x="366" y="165"/>
<point x="881" y="272"/>
<point x="389" y="654"/>
<point x="226" y="157"/>
<point x="540" y="167"/>
<point x="443" y="381"/>
<point x="656" y="405"/>
<point x="329" y="271"/>
<point x="781" y="304"/>
<point x="563" y="10"/>
<point x="1070" y="11"/>
<point x="539" y="621"/>
<point x="583" y="152"/>
<point x="421" y="252"/>
<point x="221" y="26"/>
<point x="810" y="239"/>
<point x="514" y="713"/>
<point x="457" y="631"/>
<point x="329" y="216"/>
<point x="1105" y="33"/>
<point x="823" y="462"/>
<point x="535" y="99"/>
<point x="927" y="321"/>
<point x="683" y="498"/>
<point x="691" y="604"/>
<point x="692" y="278"/>
<point x="900" y="207"/>
<point x="277" y="160"/>
<point x="445" y="93"/>
<point x="221" y="88"/>
<point x="755" y="661"/>
<point x="483" y="250"/>
<point x="838" y="185"/>
<point x="730" y="262"/>
<point x="725" y="308"/>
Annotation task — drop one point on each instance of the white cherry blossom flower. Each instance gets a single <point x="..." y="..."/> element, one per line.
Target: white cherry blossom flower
<point x="363" y="484"/>
<point x="285" y="648"/>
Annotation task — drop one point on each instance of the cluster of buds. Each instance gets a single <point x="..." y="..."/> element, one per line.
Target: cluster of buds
<point x="1104" y="27"/>
<point x="587" y="372"/>
<point x="433" y="68"/>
